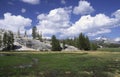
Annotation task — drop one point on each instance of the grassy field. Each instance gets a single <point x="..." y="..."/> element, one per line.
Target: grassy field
<point x="60" y="64"/>
<point x="110" y="49"/>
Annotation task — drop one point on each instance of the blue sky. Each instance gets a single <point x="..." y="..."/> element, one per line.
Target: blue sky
<point x="63" y="18"/>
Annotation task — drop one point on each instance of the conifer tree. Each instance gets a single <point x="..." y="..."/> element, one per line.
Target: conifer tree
<point x="81" y="41"/>
<point x="55" y="44"/>
<point x="5" y="39"/>
<point x="11" y="39"/>
<point x="87" y="44"/>
<point x="34" y="32"/>
<point x="0" y="41"/>
<point x="8" y="40"/>
<point x="58" y="48"/>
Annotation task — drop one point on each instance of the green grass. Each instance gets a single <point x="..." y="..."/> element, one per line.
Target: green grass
<point x="63" y="64"/>
<point x="13" y="60"/>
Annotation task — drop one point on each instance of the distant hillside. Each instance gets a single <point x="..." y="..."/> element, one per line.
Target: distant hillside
<point x="106" y="42"/>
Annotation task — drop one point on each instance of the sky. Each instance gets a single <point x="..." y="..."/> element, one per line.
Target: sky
<point x="63" y="18"/>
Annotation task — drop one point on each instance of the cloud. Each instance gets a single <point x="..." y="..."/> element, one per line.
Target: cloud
<point x="93" y="25"/>
<point x="101" y="31"/>
<point x="63" y="1"/>
<point x="13" y="22"/>
<point x="55" y="22"/>
<point x="33" y="2"/>
<point x="58" y="22"/>
<point x="117" y="14"/>
<point x="117" y="39"/>
<point x="83" y="8"/>
<point x="29" y="32"/>
<point x="23" y="10"/>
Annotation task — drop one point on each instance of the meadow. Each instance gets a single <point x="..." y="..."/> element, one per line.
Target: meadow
<point x="60" y="64"/>
<point x="110" y="49"/>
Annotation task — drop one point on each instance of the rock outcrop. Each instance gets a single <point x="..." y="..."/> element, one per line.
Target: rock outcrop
<point x="70" y="48"/>
<point x="34" y="44"/>
<point x="27" y="43"/>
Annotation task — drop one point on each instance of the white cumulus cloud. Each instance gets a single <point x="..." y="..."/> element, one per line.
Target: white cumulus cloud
<point x="55" y="22"/>
<point x="83" y="8"/>
<point x="117" y="14"/>
<point x="34" y="2"/>
<point x="93" y="25"/>
<point x="117" y="39"/>
<point x="101" y="31"/>
<point x="13" y="22"/>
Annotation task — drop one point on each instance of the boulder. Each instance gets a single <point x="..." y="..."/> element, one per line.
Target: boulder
<point x="70" y="48"/>
<point x="34" y="44"/>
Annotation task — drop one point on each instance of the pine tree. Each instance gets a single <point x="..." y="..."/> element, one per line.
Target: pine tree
<point x="81" y="41"/>
<point x="8" y="40"/>
<point x="5" y="38"/>
<point x="55" y="44"/>
<point x="0" y="41"/>
<point x="87" y="44"/>
<point x="34" y="33"/>
<point x="58" y="48"/>
<point x="11" y="40"/>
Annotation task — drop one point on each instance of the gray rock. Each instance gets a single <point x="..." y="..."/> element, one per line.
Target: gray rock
<point x="35" y="44"/>
<point x="27" y="43"/>
<point x="70" y="48"/>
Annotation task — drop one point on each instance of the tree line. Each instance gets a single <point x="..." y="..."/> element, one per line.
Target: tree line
<point x="81" y="42"/>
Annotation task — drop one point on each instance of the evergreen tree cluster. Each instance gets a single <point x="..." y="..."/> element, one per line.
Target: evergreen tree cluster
<point x="82" y="42"/>
<point x="35" y="34"/>
<point x="7" y="41"/>
<point x="55" y="44"/>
